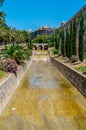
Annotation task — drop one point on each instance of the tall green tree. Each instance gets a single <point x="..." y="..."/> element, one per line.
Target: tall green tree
<point x="67" y="43"/>
<point x="57" y="38"/>
<point x="41" y="39"/>
<point x="70" y="41"/>
<point x="26" y="36"/>
<point x="2" y="19"/>
<point x="74" y="37"/>
<point x="62" y="43"/>
<point x="81" y="34"/>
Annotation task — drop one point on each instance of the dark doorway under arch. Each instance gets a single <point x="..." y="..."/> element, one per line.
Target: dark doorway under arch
<point x="39" y="47"/>
<point x="46" y="47"/>
<point x="35" y="47"/>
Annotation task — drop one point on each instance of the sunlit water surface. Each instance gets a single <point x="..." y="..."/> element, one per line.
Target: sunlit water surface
<point x="45" y="100"/>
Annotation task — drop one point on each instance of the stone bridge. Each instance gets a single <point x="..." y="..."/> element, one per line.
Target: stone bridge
<point x="40" y="46"/>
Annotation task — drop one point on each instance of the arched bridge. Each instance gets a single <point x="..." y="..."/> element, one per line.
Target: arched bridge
<point x="40" y="46"/>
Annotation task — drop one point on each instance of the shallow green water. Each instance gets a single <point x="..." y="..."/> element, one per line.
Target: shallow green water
<point x="45" y="100"/>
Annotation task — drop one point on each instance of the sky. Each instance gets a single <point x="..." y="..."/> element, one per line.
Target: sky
<point x="32" y="14"/>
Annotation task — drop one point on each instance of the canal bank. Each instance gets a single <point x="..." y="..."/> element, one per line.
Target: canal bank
<point x="9" y="84"/>
<point x="44" y="100"/>
<point x="75" y="77"/>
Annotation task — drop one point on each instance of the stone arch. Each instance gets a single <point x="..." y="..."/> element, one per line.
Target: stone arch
<point x="45" y="47"/>
<point x="40" y="47"/>
<point x="35" y="47"/>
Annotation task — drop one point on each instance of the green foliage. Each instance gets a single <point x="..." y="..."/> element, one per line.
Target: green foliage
<point x="63" y="44"/>
<point x="71" y="41"/>
<point x="51" y="38"/>
<point x="81" y="33"/>
<point x="67" y="42"/>
<point x="41" y="39"/>
<point x="81" y="68"/>
<point x="2" y="73"/>
<point x="19" y="53"/>
<point x="55" y="51"/>
<point x="74" y="37"/>
<point x="68" y="45"/>
<point x="11" y="35"/>
<point x="50" y="44"/>
<point x="30" y="45"/>
<point x="57" y="38"/>
<point x="26" y="36"/>
<point x="2" y="19"/>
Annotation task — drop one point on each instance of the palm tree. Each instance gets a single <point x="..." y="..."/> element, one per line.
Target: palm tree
<point x="16" y="52"/>
<point x="2" y="19"/>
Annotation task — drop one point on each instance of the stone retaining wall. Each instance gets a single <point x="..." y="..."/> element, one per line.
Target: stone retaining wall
<point x="76" y="78"/>
<point x="9" y="85"/>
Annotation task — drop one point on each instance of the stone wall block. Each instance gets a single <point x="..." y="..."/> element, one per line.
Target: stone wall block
<point x="9" y="85"/>
<point x="76" y="78"/>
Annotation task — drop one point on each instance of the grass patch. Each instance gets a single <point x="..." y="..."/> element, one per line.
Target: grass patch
<point x="81" y="68"/>
<point x="2" y="74"/>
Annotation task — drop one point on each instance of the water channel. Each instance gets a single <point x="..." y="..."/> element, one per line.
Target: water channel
<point x="45" y="100"/>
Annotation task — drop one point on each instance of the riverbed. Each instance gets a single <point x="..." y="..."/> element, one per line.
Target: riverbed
<point x="45" y="100"/>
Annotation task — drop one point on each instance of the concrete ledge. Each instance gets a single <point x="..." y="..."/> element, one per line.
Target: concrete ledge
<point x="9" y="85"/>
<point x="76" y="78"/>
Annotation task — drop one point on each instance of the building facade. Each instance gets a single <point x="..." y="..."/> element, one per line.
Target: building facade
<point x="41" y="31"/>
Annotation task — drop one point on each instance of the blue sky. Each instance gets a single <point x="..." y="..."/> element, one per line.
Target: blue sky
<point x="31" y="14"/>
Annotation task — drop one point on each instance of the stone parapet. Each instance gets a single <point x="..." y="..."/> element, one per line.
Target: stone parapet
<point x="76" y="78"/>
<point x="9" y="85"/>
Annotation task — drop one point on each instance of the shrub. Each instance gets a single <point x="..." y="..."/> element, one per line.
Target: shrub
<point x="10" y="65"/>
<point x="1" y="65"/>
<point x="15" y="52"/>
<point x="55" y="51"/>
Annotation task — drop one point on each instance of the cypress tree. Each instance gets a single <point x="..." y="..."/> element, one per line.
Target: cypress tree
<point x="74" y="37"/>
<point x="57" y="38"/>
<point x="81" y="34"/>
<point x="56" y="42"/>
<point x="67" y="43"/>
<point x="71" y="41"/>
<point x="63" y="44"/>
